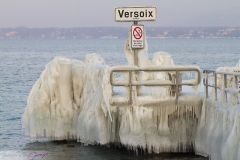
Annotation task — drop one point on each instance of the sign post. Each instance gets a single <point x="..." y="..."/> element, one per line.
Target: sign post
<point x="136" y="14"/>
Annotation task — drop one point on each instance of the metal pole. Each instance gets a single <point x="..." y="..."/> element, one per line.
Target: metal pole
<point x="206" y="87"/>
<point x="177" y="86"/>
<point x="215" y="79"/>
<point x="130" y="87"/>
<point x="236" y="83"/>
<point x="135" y="51"/>
<point x="135" y="90"/>
<point x="225" y="86"/>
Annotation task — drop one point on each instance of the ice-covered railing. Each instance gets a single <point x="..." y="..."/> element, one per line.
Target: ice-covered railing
<point x="218" y="129"/>
<point x="132" y="82"/>
<point x="226" y="82"/>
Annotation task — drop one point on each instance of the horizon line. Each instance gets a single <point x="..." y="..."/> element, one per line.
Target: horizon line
<point x="57" y="27"/>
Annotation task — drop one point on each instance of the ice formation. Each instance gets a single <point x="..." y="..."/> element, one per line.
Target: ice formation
<point x="231" y="84"/>
<point x="71" y="101"/>
<point x="219" y="129"/>
<point x="67" y="101"/>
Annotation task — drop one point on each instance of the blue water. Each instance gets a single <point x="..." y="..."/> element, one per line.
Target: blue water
<point x="22" y="61"/>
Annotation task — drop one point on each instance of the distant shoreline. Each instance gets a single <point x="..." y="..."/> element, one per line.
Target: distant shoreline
<point x="118" y="32"/>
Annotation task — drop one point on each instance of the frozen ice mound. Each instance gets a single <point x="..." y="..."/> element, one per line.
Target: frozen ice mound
<point x="71" y="101"/>
<point x="68" y="95"/>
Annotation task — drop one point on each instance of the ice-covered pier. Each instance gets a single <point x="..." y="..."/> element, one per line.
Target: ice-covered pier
<point x="97" y="104"/>
<point x="93" y="103"/>
<point x="154" y="105"/>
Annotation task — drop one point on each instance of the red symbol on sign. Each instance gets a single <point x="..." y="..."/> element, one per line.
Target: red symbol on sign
<point x="137" y="33"/>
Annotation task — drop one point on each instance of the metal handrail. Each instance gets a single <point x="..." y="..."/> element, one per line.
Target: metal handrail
<point x="225" y="88"/>
<point x="176" y="83"/>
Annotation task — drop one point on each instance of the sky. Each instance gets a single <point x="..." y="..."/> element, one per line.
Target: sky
<point x="91" y="13"/>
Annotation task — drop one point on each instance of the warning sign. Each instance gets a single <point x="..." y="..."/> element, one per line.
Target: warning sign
<point x="137" y="36"/>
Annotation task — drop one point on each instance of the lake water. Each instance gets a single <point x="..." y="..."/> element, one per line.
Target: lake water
<point x="22" y="61"/>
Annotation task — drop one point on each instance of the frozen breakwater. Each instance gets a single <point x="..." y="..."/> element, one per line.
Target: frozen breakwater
<point x="71" y="101"/>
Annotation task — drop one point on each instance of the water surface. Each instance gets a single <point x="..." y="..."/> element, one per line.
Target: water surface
<point x="22" y="61"/>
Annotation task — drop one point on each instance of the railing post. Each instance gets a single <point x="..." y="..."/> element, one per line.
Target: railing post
<point x="215" y="86"/>
<point x="136" y="63"/>
<point x="111" y="82"/>
<point x="237" y="87"/>
<point x="177" y="88"/>
<point x="130" y="87"/>
<point x="206" y="85"/>
<point x="225" y="86"/>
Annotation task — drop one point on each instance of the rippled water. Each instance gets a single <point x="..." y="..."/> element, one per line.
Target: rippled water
<point x="21" y="62"/>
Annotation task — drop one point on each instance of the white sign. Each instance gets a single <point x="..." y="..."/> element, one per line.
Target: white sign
<point x="128" y="14"/>
<point x="137" y="36"/>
